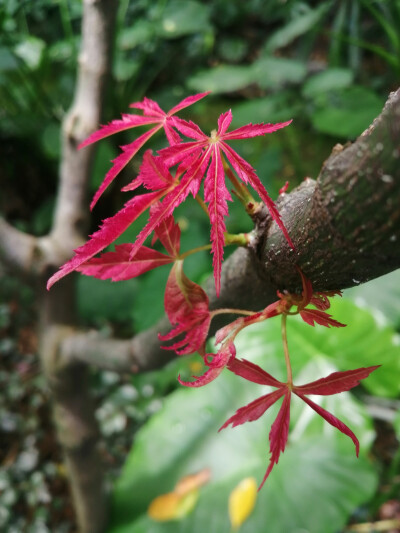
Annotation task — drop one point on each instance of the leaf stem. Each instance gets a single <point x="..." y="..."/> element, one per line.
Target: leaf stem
<point x="286" y="351"/>
<point x="195" y="250"/>
<point x="232" y="311"/>
<point x="202" y="204"/>
<point x="240" y="239"/>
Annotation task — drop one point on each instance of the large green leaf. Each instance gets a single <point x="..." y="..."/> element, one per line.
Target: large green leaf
<point x="318" y="481"/>
<point x="346" y="112"/>
<point x="183" y="17"/>
<point x="274" y="108"/>
<point x="222" y="79"/>
<point x="328" y="80"/>
<point x="274" y="72"/>
<point x="381" y="296"/>
<point x="296" y="27"/>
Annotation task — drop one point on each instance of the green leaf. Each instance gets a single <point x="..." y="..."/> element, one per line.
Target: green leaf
<point x="232" y="48"/>
<point x="148" y="305"/>
<point x="7" y="60"/>
<point x="274" y="108"/>
<point x="222" y="79"/>
<point x="139" y="33"/>
<point x="100" y="300"/>
<point x="346" y="113"/>
<point x="319" y="475"/>
<point x="184" y="17"/>
<point x="273" y="72"/>
<point x="381" y="296"/>
<point x="31" y="51"/>
<point x="298" y="26"/>
<point x="328" y="80"/>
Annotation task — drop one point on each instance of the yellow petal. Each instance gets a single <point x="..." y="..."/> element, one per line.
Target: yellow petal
<point x="242" y="501"/>
<point x="186" y="504"/>
<point x="179" y="503"/>
<point x="192" y="481"/>
<point x="164" y="507"/>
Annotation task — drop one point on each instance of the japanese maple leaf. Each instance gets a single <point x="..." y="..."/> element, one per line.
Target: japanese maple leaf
<point x="163" y="182"/>
<point x="119" y="266"/>
<point x="152" y="114"/>
<point x="186" y="305"/>
<point x="216" y="363"/>
<point x="333" y="384"/>
<point x="202" y="159"/>
<point x="308" y="297"/>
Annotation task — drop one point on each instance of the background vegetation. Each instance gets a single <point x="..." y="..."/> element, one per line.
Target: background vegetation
<point x="328" y="65"/>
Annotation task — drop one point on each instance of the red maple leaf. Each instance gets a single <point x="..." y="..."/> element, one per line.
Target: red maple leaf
<point x="333" y="384"/>
<point x="186" y="305"/>
<point x="203" y="157"/>
<point x="119" y="265"/>
<point x="152" y="114"/>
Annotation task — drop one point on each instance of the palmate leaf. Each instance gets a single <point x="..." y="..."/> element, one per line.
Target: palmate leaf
<point x="318" y="474"/>
<point x="333" y="384"/>
<point x="153" y="114"/>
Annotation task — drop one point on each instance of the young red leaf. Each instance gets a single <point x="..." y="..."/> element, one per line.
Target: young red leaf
<point x="169" y="234"/>
<point x="336" y="382"/>
<point x="153" y="114"/>
<point x="117" y="266"/>
<point x="186" y="305"/>
<point x="278" y="435"/>
<point x="313" y="316"/>
<point x="110" y="230"/>
<point x="165" y="209"/>
<point x="194" y="158"/>
<point x="120" y="162"/>
<point x="335" y="422"/>
<point x="225" y="354"/>
<point x="216" y="195"/>
<point x="254" y="409"/>
<point x="252" y="372"/>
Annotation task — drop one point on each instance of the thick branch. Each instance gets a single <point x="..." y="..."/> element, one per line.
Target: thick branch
<point x="346" y="228"/>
